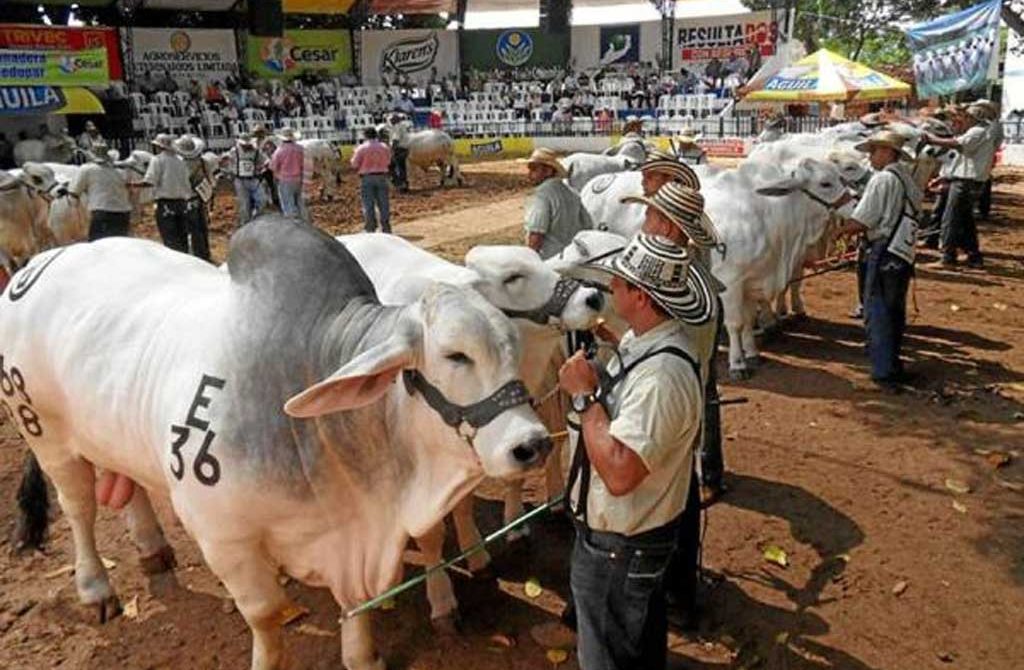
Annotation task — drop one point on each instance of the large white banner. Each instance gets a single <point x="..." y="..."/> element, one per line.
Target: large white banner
<point x="700" y="40"/>
<point x="1013" y="73"/>
<point x="185" y="53"/>
<point x="414" y="53"/>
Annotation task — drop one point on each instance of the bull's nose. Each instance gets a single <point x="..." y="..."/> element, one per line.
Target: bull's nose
<point x="532" y="452"/>
<point x="595" y="301"/>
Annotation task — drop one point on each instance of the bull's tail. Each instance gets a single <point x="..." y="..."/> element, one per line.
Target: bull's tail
<point x="33" y="507"/>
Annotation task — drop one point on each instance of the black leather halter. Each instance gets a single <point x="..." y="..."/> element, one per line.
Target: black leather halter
<point x="476" y="415"/>
<point x="553" y="308"/>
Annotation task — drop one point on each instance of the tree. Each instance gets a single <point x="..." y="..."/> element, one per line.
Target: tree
<point x="867" y="30"/>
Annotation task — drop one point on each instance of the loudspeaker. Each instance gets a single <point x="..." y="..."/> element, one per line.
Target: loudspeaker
<point x="554" y="16"/>
<point x="266" y="18"/>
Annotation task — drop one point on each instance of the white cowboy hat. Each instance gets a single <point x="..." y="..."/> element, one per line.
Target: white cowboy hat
<point x="164" y="141"/>
<point x="289" y="135"/>
<point x="885" y="138"/>
<point x="545" y="156"/>
<point x="688" y="136"/>
<point x="189" y="146"/>
<point x="665" y="272"/>
<point x="685" y="207"/>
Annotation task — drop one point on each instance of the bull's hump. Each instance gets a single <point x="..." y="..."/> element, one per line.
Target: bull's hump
<point x="288" y="262"/>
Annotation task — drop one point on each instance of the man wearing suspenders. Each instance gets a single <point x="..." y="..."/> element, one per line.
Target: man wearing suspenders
<point x="190" y="148"/>
<point x="245" y="163"/>
<point x="887" y="214"/>
<point x="676" y="211"/>
<point x="631" y="466"/>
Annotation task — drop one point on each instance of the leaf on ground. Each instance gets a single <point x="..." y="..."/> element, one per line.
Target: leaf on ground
<point x="960" y="507"/>
<point x="532" y="588"/>
<point x="131" y="608"/>
<point x="557" y="656"/>
<point x="777" y="555"/>
<point x="957" y="486"/>
<point x="292" y="612"/>
<point x="899" y="588"/>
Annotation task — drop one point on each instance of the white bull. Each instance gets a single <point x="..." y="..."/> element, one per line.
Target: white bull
<point x="133" y="169"/>
<point x="24" y="205"/>
<point x="429" y="148"/>
<point x="515" y="280"/>
<point x="211" y="393"/>
<point x="321" y="159"/>
<point x="583" y="167"/>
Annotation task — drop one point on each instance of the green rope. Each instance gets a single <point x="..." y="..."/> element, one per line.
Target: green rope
<point x="374" y="603"/>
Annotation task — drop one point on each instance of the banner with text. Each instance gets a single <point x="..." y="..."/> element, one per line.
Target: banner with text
<point x="87" y="67"/>
<point x="956" y="52"/>
<point x="1013" y="72"/>
<point x="185" y="53"/>
<point x="733" y="37"/>
<point x="505" y="49"/>
<point x="327" y="52"/>
<point x="34" y="38"/>
<point x="414" y="53"/>
<point x="620" y="44"/>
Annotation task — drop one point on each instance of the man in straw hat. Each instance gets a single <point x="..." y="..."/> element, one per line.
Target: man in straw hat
<point x="202" y="182"/>
<point x="287" y="164"/>
<point x="676" y="211"/>
<point x="661" y="168"/>
<point x="631" y="465"/>
<point x="168" y="175"/>
<point x="555" y="213"/>
<point x="886" y="215"/>
<point x="970" y="170"/>
<point x="105" y="193"/>
<point x="245" y="163"/>
<point x="687" y="147"/>
<point x="995" y="136"/>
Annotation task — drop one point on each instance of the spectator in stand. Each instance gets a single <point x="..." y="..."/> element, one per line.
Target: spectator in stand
<point x="713" y="73"/>
<point x="214" y="96"/>
<point x="754" y="62"/>
<point x="90" y="138"/>
<point x="195" y="89"/>
<point x="146" y="84"/>
<point x="371" y="161"/>
<point x="167" y="83"/>
<point x="405" y="105"/>
<point x="604" y="121"/>
<point x="286" y="165"/>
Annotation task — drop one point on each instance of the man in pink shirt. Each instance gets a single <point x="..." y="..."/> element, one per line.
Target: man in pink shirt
<point x="286" y="164"/>
<point x="371" y="161"/>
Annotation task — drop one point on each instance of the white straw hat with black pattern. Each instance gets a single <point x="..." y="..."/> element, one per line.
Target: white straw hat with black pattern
<point x="667" y="273"/>
<point x="660" y="161"/>
<point x="685" y="207"/>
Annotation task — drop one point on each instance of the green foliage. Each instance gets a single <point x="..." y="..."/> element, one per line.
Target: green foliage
<point x="863" y="30"/>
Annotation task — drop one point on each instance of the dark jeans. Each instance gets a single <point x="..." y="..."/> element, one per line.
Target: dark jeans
<point x="711" y="464"/>
<point x="374" y="192"/>
<point x="985" y="199"/>
<point x="618" y="589"/>
<point x="930" y="235"/>
<point x="683" y="570"/>
<point x="108" y="224"/>
<point x="862" y="267"/>
<point x="885" y="310"/>
<point x="198" y="229"/>
<point x="399" y="168"/>
<point x="959" y="230"/>
<point x="172" y="220"/>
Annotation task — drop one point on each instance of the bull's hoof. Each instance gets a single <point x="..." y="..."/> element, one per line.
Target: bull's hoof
<point x="160" y="562"/>
<point x="753" y="362"/>
<point x="739" y="374"/>
<point x="449" y="625"/>
<point x="108" y="609"/>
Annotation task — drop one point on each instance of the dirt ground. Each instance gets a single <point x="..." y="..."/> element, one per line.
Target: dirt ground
<point x="888" y="566"/>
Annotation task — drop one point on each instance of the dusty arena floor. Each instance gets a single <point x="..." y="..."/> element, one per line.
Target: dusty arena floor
<point x="889" y="567"/>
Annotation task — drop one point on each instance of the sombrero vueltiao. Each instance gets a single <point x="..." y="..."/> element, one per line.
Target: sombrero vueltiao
<point x="665" y="272"/>
<point x="685" y="207"/>
<point x="660" y="161"/>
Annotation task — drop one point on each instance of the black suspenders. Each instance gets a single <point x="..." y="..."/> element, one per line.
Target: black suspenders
<point x="579" y="469"/>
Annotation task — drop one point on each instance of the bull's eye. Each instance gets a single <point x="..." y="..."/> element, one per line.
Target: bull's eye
<point x="459" y="358"/>
<point x="511" y="279"/>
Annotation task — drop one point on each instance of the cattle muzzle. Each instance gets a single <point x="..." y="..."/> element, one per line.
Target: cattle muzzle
<point x="830" y="206"/>
<point x="467" y="419"/>
<point x="551" y="311"/>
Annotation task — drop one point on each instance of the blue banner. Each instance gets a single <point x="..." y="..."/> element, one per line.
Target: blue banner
<point x="620" y="44"/>
<point x="954" y="52"/>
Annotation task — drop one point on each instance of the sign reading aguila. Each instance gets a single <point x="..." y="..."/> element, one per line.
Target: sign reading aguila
<point x="410" y="55"/>
<point x="30" y="99"/>
<point x="299" y="51"/>
<point x="53" y="68"/>
<point x="185" y="54"/>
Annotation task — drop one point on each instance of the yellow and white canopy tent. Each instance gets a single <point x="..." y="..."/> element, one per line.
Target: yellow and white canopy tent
<point x="824" y="76"/>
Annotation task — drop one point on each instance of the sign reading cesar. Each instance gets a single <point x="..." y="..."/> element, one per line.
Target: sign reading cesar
<point x="299" y="51"/>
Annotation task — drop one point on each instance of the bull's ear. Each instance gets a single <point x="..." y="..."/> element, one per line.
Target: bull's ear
<point x="358" y="383"/>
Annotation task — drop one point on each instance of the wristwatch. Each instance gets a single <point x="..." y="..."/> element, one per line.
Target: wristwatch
<point x="582" y="401"/>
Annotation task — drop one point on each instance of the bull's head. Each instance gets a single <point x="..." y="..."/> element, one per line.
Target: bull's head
<point x="819" y="181"/>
